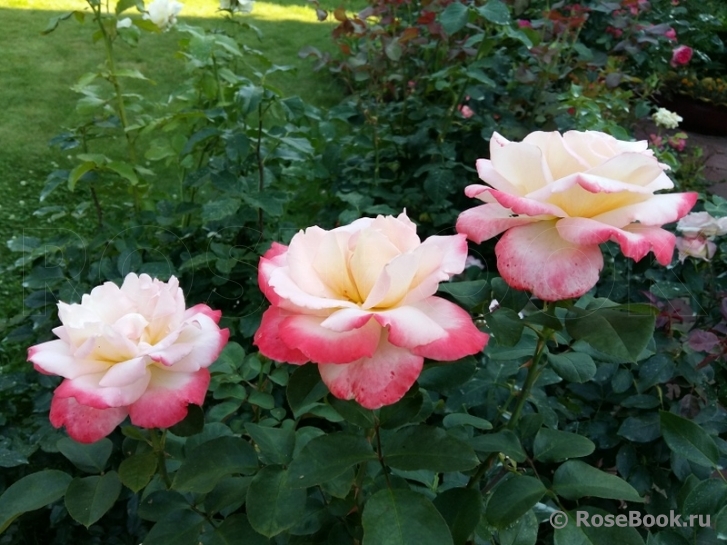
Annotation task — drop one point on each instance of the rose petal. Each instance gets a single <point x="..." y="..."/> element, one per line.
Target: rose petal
<point x="164" y="403"/>
<point x="488" y="220"/>
<point x="462" y="337"/>
<point x="322" y="345"/>
<point x="373" y="382"/>
<point x="536" y="258"/>
<point x="267" y="338"/>
<point x="53" y="358"/>
<point x="83" y="423"/>
<point x="635" y="240"/>
<point x="88" y="391"/>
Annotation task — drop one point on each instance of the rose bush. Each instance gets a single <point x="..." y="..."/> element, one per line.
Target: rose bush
<point x="359" y="301"/>
<point x="557" y="197"/>
<point x="130" y="351"/>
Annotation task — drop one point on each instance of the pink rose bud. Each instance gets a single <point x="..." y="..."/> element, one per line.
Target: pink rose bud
<point x="670" y="34"/>
<point x="130" y="351"/>
<point x="466" y="111"/>
<point x="681" y="55"/>
<point x="523" y="23"/>
<point x="359" y="301"/>
<point x="557" y="197"/>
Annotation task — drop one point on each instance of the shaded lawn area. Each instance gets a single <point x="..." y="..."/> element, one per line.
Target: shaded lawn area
<point x="37" y="73"/>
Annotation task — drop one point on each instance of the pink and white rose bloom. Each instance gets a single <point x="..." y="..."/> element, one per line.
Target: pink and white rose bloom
<point x="359" y="301"/>
<point x="557" y="197"/>
<point x="130" y="351"/>
<point x="702" y="224"/>
<point x="697" y="247"/>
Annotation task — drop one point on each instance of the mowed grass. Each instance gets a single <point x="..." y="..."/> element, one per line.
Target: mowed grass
<point x="37" y="73"/>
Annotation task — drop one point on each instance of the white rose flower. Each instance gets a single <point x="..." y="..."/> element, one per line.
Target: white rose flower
<point x="123" y="23"/>
<point x="163" y="13"/>
<point x="665" y="118"/>
<point x="237" y="6"/>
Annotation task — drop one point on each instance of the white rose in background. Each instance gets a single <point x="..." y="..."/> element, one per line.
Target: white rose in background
<point x="702" y="224"/>
<point x="697" y="247"/>
<point x="163" y="13"/>
<point x="237" y="6"/>
<point x="665" y="118"/>
<point x="124" y="23"/>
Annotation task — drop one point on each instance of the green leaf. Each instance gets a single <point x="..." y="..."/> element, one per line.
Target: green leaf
<point x="125" y="170"/>
<point x="462" y="419"/>
<point x="557" y="446"/>
<point x="688" y="439"/>
<point x="123" y="5"/>
<point x="220" y="209"/>
<point x="454" y="17"/>
<point x="305" y="389"/>
<point x="30" y="493"/>
<point x="177" y="528"/>
<point x="228" y="496"/>
<point x="393" y="50"/>
<point x="78" y="172"/>
<point x="461" y="509"/>
<point x="137" y="470"/>
<point x="640" y="429"/>
<point x="496" y="12"/>
<point x="403" y="517"/>
<point x="276" y="445"/>
<point x="326" y="457"/>
<point x="506" y="326"/>
<point x="508" y="297"/>
<point x="469" y="294"/>
<point x="192" y="424"/>
<point x="523" y="532"/>
<point x="504" y="441"/>
<point x="90" y="458"/>
<point x="573" y="366"/>
<point x="354" y="413"/>
<point x="425" y="447"/>
<point x="88" y="499"/>
<point x="575" y="479"/>
<point x="54" y="21"/>
<point x="606" y="534"/>
<point x="272" y="505"/>
<point x="706" y="498"/>
<point x="512" y="498"/>
<point x="443" y="376"/>
<point x="403" y="411"/>
<point x="198" y="137"/>
<point x="236" y="530"/>
<point x="160" y="504"/>
<point x="131" y="73"/>
<point x="619" y="331"/>
<point x="230" y="454"/>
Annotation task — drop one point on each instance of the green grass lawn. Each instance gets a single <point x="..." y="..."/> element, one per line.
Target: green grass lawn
<point x="37" y="72"/>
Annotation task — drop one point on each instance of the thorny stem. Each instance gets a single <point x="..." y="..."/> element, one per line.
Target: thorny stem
<point x="380" y="454"/>
<point x="533" y="373"/>
<point x="158" y="440"/>
<point x="108" y="44"/>
<point x="261" y="171"/>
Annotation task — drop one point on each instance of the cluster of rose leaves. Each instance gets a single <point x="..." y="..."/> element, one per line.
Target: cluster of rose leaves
<point x="359" y="300"/>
